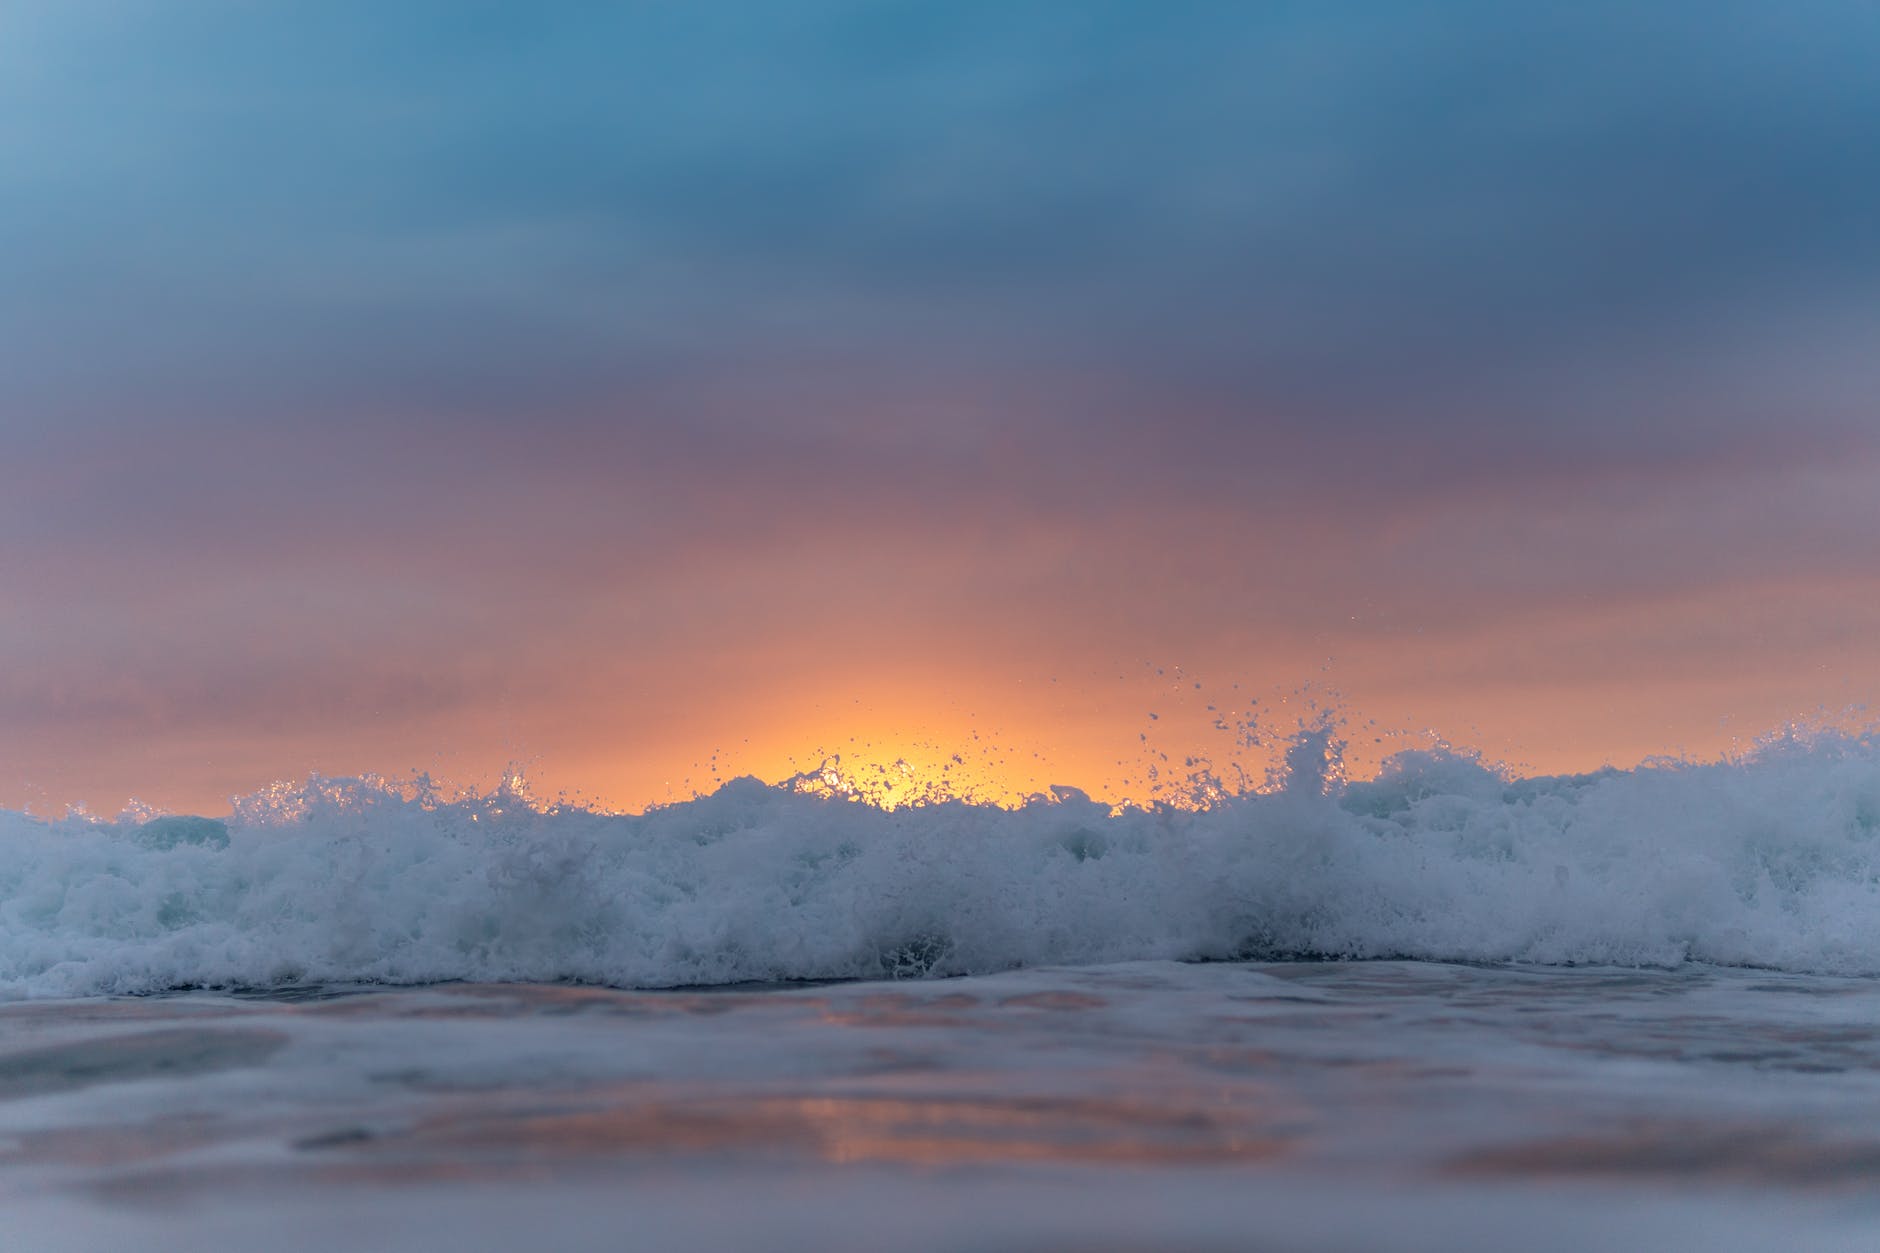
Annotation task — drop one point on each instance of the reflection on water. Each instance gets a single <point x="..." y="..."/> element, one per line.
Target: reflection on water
<point x="1456" y="1077"/>
<point x="933" y="1131"/>
<point x="122" y="1058"/>
<point x="100" y="1147"/>
<point x="1654" y="1152"/>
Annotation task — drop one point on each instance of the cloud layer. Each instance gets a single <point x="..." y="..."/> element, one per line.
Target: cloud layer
<point x="475" y="373"/>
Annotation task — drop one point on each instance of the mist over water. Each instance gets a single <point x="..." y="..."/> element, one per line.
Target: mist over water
<point x="1770" y="860"/>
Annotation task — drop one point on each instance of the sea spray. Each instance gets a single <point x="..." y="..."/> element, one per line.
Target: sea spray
<point x="1772" y="860"/>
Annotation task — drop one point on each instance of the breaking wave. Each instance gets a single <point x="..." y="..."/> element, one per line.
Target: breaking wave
<point x="1772" y="860"/>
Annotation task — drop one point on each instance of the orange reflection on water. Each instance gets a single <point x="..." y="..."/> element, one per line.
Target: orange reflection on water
<point x="964" y="1130"/>
<point x="905" y="1130"/>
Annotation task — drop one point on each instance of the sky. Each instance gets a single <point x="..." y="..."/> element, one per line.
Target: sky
<point x="650" y="393"/>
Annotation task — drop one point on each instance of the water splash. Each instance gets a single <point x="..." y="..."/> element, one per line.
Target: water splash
<point x="1771" y="859"/>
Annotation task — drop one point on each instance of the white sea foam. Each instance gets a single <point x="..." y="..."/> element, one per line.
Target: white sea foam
<point x="1772" y="860"/>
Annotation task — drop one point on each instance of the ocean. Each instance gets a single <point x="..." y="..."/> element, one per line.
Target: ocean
<point x="1437" y="1009"/>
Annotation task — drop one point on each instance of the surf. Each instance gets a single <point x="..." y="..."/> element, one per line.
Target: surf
<point x="1770" y="860"/>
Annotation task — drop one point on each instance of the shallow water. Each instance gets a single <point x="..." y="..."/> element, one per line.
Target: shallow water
<point x="1147" y="1105"/>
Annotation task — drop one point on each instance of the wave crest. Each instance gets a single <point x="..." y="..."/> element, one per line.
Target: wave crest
<point x="1772" y="860"/>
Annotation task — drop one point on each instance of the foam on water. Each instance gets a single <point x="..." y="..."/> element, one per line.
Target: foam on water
<point x="1772" y="860"/>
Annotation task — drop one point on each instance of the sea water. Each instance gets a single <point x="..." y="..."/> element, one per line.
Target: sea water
<point x="1439" y="1009"/>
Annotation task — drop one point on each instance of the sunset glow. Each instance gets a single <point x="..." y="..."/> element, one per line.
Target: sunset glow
<point x="939" y="624"/>
<point x="645" y="401"/>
